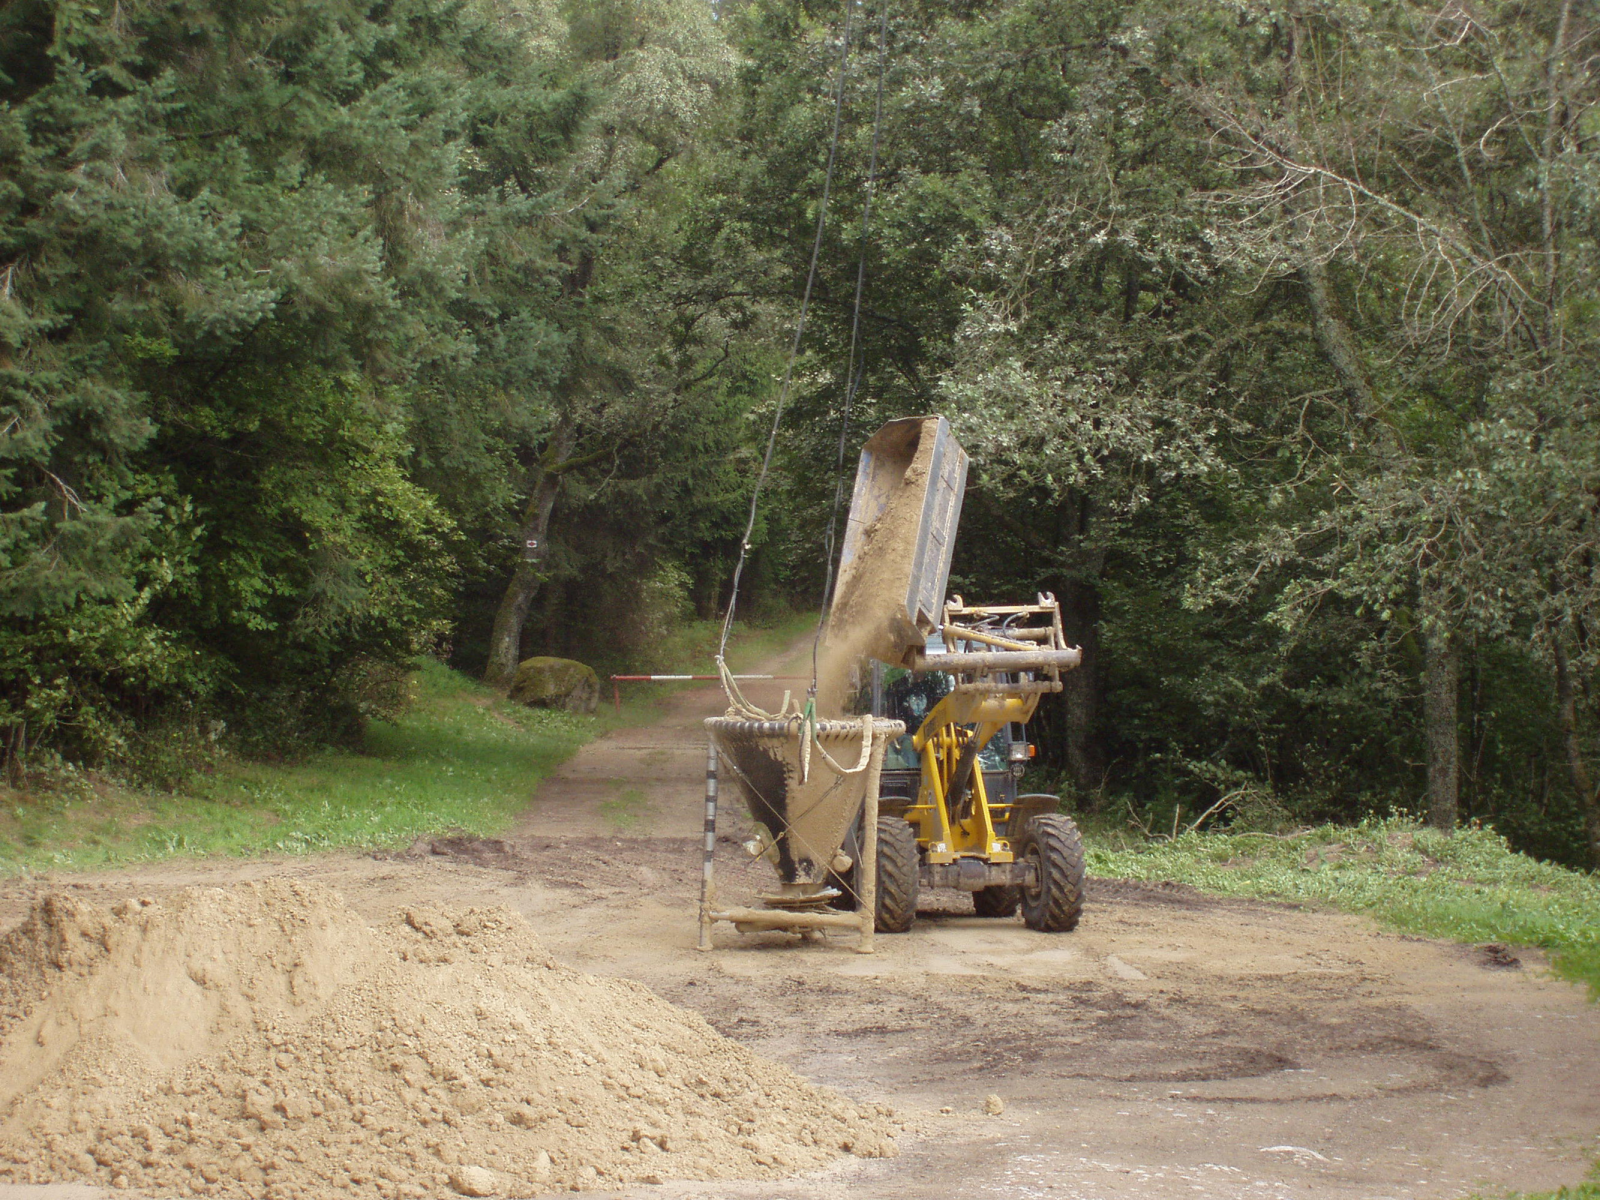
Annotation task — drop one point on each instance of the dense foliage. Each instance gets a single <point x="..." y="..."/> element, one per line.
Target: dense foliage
<point x="1271" y="330"/>
<point x="293" y="296"/>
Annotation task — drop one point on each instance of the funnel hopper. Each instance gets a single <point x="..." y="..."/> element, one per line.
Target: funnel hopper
<point x="805" y="810"/>
<point x="895" y="561"/>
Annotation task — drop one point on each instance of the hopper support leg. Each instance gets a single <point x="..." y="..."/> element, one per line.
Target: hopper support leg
<point x="707" y="886"/>
<point x="867" y="902"/>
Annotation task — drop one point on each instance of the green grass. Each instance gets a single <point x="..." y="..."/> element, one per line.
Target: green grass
<point x="459" y="758"/>
<point x="625" y="810"/>
<point x="1587" y="1190"/>
<point x="1469" y="886"/>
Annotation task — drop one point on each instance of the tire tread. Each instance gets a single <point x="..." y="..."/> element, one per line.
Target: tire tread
<point x="899" y="876"/>
<point x="1058" y="903"/>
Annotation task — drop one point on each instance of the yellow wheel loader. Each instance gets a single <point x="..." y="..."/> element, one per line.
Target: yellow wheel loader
<point x="950" y="814"/>
<point x="919" y="789"/>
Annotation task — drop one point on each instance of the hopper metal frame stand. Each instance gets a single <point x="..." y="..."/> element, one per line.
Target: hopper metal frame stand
<point x="758" y="920"/>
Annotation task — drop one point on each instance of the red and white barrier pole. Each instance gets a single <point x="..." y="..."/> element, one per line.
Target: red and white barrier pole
<point x="618" y="680"/>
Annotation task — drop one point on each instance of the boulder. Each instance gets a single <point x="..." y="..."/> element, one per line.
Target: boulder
<point x="476" y="1181"/>
<point x="556" y="683"/>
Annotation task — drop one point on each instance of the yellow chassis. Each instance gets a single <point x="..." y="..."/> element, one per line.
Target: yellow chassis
<point x="939" y="742"/>
<point x="975" y="711"/>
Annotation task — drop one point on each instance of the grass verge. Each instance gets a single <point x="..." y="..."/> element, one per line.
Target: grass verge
<point x="1582" y="1191"/>
<point x="459" y="757"/>
<point x="1469" y="886"/>
<point x="1589" y="1189"/>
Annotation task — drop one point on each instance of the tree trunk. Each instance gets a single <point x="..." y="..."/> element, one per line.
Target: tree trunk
<point x="1081" y="689"/>
<point x="1338" y="346"/>
<point x="1080" y="618"/>
<point x="1440" y="652"/>
<point x="1441" y="669"/>
<point x="505" y="639"/>
<point x="17" y="756"/>
<point x="1577" y="765"/>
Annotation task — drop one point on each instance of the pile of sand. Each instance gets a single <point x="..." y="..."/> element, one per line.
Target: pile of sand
<point x="266" y="1041"/>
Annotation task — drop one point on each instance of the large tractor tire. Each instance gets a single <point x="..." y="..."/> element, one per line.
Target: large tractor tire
<point x="1055" y="900"/>
<point x="996" y="901"/>
<point x="899" y="875"/>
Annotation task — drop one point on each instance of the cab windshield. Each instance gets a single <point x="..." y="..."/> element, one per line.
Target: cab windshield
<point x="910" y="698"/>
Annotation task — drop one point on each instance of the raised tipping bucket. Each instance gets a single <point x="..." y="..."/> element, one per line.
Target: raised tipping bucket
<point x="805" y="805"/>
<point x="895" y="561"/>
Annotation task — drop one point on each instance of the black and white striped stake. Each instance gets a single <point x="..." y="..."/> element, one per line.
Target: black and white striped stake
<point x="711" y="844"/>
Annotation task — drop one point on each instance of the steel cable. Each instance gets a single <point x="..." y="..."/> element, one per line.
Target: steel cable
<point x="853" y="369"/>
<point x="794" y="349"/>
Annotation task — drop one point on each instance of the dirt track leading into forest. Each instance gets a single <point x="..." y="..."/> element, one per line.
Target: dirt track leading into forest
<point x="1176" y="1045"/>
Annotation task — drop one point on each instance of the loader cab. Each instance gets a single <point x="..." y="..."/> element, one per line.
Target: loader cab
<point x="900" y="695"/>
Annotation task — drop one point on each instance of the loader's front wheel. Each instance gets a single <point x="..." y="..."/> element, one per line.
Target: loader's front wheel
<point x="899" y="875"/>
<point x="998" y="901"/>
<point x="1053" y="900"/>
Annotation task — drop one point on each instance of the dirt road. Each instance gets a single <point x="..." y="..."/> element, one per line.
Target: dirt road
<point x="1174" y="1046"/>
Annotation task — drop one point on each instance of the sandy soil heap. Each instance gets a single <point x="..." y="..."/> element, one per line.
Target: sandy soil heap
<point x="264" y="1040"/>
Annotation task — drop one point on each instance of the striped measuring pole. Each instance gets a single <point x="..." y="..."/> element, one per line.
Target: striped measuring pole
<point x="711" y="844"/>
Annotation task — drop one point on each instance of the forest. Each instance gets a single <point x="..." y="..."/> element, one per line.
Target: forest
<point x="1272" y="328"/>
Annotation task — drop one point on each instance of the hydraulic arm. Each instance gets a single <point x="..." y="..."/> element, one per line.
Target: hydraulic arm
<point x="1002" y="659"/>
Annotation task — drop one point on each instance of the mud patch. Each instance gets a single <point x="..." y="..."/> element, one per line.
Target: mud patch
<point x="480" y="852"/>
<point x="1498" y="956"/>
<point x="1165" y="893"/>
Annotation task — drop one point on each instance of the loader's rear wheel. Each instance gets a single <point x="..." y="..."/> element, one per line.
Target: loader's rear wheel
<point x="996" y="901"/>
<point x="899" y="875"/>
<point x="1053" y="902"/>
